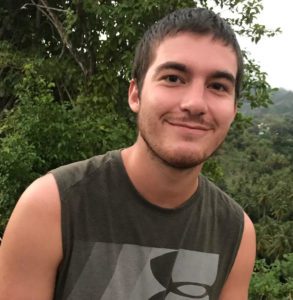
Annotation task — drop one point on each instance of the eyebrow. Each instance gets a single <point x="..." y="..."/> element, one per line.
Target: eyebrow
<point x="224" y="75"/>
<point x="172" y="65"/>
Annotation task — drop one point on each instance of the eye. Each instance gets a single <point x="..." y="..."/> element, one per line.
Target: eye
<point x="218" y="86"/>
<point x="173" y="79"/>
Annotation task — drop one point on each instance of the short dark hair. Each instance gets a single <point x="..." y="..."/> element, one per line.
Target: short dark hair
<point x="194" y="20"/>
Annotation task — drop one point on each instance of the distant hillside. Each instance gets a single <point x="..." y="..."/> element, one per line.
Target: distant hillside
<point x="282" y="106"/>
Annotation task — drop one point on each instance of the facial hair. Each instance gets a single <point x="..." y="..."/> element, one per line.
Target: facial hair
<point x="177" y="161"/>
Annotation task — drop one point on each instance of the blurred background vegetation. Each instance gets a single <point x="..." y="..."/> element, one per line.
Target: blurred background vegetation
<point x="64" y="73"/>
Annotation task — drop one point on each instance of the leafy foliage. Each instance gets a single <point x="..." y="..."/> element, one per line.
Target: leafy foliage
<point x="64" y="134"/>
<point x="273" y="281"/>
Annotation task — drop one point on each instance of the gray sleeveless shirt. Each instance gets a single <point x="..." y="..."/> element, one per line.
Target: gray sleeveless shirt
<point x="118" y="246"/>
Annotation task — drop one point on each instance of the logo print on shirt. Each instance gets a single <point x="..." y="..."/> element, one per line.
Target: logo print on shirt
<point x="159" y="267"/>
<point x="132" y="272"/>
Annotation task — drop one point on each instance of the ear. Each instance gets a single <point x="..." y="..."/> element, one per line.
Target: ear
<point x="133" y="96"/>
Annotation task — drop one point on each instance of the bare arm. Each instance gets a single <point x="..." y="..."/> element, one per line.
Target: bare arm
<point x="31" y="248"/>
<point x="237" y="284"/>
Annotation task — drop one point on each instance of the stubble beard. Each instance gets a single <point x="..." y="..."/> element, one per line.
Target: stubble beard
<point x="176" y="160"/>
<point x="173" y="159"/>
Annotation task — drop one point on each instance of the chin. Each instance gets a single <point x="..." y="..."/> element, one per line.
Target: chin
<point x="185" y="162"/>
<point x="180" y="158"/>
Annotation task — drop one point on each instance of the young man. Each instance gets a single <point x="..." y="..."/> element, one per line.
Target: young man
<point x="142" y="223"/>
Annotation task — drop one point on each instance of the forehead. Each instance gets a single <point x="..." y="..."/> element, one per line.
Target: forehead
<point x="198" y="52"/>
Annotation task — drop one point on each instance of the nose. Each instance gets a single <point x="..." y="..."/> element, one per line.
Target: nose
<point x="193" y="100"/>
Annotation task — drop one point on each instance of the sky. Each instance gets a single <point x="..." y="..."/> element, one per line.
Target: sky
<point x="275" y="55"/>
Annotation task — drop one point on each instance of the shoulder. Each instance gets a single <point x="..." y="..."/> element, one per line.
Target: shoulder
<point x="237" y="284"/>
<point x="31" y="249"/>
<point x="41" y="198"/>
<point x="223" y="203"/>
<point x="37" y="209"/>
<point x="71" y="174"/>
<point x="228" y="217"/>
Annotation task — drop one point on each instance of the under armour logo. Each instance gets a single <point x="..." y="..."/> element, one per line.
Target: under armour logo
<point x="162" y="269"/>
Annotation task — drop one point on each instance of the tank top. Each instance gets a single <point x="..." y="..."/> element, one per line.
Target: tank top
<point x="119" y="246"/>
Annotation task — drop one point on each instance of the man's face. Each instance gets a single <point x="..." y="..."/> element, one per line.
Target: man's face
<point x="187" y="102"/>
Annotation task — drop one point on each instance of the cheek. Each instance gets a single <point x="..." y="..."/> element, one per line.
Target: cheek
<point x="229" y="118"/>
<point x="224" y="115"/>
<point x="165" y="100"/>
<point x="232" y="112"/>
<point x="154" y="102"/>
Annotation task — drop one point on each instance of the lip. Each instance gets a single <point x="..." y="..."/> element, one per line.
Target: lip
<point x="189" y="125"/>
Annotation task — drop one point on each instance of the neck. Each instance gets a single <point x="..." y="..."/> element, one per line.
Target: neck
<point x="157" y="182"/>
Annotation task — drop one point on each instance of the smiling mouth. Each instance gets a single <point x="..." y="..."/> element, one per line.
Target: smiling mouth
<point x="189" y="125"/>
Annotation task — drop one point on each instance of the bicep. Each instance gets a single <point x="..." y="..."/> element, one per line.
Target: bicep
<point x="237" y="284"/>
<point x="31" y="246"/>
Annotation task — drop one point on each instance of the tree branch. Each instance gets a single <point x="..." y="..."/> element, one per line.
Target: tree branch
<point x="48" y="12"/>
